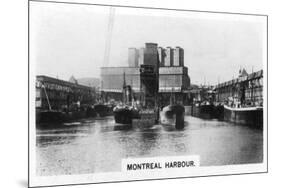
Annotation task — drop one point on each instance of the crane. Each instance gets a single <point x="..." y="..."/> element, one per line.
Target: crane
<point x="108" y="36"/>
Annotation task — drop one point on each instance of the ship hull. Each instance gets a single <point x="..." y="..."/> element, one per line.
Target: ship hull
<point x="125" y="116"/>
<point x="173" y="115"/>
<point x="252" y="116"/>
<point x="49" y="117"/>
<point x="46" y="117"/>
<point x="208" y="111"/>
<point x="146" y="119"/>
<point x="102" y="110"/>
<point x="56" y="119"/>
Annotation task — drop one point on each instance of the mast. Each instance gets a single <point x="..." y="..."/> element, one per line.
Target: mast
<point x="43" y="86"/>
<point x="124" y="87"/>
<point x="252" y="90"/>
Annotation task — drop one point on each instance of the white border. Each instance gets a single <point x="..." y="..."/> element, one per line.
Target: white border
<point x="113" y="177"/>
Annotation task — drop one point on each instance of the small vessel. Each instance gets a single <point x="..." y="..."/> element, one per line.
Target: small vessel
<point x="59" y="116"/>
<point x="206" y="110"/>
<point x="251" y="116"/>
<point x="204" y="106"/>
<point x="203" y="110"/>
<point x="49" y="116"/>
<point x="173" y="114"/>
<point x="125" y="113"/>
<point x="102" y="110"/>
<point x="240" y="110"/>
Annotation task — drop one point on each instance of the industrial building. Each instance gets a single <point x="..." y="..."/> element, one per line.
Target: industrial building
<point x="170" y="72"/>
<point x="247" y="88"/>
<point x="59" y="94"/>
<point x="169" y="57"/>
<point x="161" y="55"/>
<point x="178" y="56"/>
<point x="133" y="58"/>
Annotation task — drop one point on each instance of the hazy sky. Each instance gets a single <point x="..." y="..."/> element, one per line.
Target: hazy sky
<point x="70" y="40"/>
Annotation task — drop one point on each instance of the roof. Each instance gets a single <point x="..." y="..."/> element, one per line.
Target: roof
<point x="251" y="76"/>
<point x="59" y="81"/>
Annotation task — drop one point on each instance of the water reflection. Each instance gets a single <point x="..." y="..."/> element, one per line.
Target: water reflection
<point x="98" y="145"/>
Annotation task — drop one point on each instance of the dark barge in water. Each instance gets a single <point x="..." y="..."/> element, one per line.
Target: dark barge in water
<point x="125" y="114"/>
<point x="103" y="110"/>
<point x="173" y="115"/>
<point x="250" y="116"/>
<point x="207" y="111"/>
<point x="59" y="116"/>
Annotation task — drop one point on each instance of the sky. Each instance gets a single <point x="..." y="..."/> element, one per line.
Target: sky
<point x="69" y="39"/>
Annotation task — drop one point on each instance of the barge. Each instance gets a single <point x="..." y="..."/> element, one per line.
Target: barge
<point x="251" y="116"/>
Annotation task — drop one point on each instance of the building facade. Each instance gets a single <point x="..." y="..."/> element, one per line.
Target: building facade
<point x="247" y="89"/>
<point x="170" y="79"/>
<point x="161" y="56"/>
<point x="178" y="56"/>
<point x="169" y="57"/>
<point x="59" y="94"/>
<point x="133" y="57"/>
<point x="141" y="56"/>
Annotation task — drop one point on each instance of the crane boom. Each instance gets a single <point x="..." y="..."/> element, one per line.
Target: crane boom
<point x="108" y="36"/>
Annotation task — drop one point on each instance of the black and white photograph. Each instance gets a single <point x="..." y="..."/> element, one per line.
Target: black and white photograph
<point x="123" y="93"/>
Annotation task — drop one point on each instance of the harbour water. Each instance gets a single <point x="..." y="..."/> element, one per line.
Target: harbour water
<point x="98" y="145"/>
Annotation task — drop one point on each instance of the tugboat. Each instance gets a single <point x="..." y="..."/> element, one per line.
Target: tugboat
<point x="125" y="113"/>
<point x="205" y="107"/>
<point x="202" y="110"/>
<point x="173" y="114"/>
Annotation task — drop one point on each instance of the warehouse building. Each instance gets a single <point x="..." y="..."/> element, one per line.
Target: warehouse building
<point x="59" y="94"/>
<point x="171" y="74"/>
<point x="247" y="88"/>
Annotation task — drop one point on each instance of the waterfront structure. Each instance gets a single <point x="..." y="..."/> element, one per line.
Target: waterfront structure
<point x="58" y="94"/>
<point x="242" y="99"/>
<point x="133" y="57"/>
<point x="169" y="58"/>
<point x="151" y="55"/>
<point x="178" y="56"/>
<point x="113" y="78"/>
<point x="169" y="79"/>
<point x="141" y="56"/>
<point x="149" y="73"/>
<point x="161" y="56"/>
<point x="247" y="88"/>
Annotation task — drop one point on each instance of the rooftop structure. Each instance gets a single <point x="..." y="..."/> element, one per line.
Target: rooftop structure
<point x="61" y="93"/>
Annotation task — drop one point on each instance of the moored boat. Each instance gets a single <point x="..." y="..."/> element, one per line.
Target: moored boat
<point x="65" y="113"/>
<point x="125" y="114"/>
<point x="173" y="115"/>
<point x="55" y="118"/>
<point x="102" y="110"/>
<point x="251" y="116"/>
<point x="207" y="111"/>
